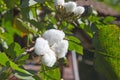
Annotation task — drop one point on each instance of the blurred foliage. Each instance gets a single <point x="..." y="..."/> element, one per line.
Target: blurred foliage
<point x="108" y="51"/>
<point x="113" y="3"/>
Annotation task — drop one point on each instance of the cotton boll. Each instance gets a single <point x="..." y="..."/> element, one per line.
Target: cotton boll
<point x="79" y="10"/>
<point x="53" y="36"/>
<point x="58" y="2"/>
<point x="60" y="48"/>
<point x="49" y="59"/>
<point x="70" y="6"/>
<point x="41" y="46"/>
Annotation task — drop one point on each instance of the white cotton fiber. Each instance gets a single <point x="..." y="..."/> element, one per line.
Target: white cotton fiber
<point x="70" y="6"/>
<point x="53" y="36"/>
<point x="41" y="46"/>
<point x="58" y="2"/>
<point x="60" y="48"/>
<point x="49" y="59"/>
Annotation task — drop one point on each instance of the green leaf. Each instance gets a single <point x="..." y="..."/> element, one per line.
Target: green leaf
<point x="70" y="27"/>
<point x="77" y="47"/>
<point x="94" y="27"/>
<point x="49" y="5"/>
<point x="34" y="12"/>
<point x="22" y="59"/>
<point x="50" y="73"/>
<point x="14" y="50"/>
<point x="108" y="19"/>
<point x="26" y="76"/>
<point x="23" y="76"/>
<point x="7" y="20"/>
<point x="94" y="19"/>
<point x="36" y="77"/>
<point x="74" y="39"/>
<point x="7" y="23"/>
<point x="3" y="6"/>
<point x="23" y="27"/>
<point x="3" y="59"/>
<point x="8" y="37"/>
<point x="15" y="67"/>
<point x="88" y="31"/>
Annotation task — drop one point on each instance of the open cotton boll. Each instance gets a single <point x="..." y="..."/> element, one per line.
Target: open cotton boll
<point x="70" y="6"/>
<point x="41" y="46"/>
<point x="53" y="36"/>
<point x="60" y="48"/>
<point x="49" y="59"/>
<point x="58" y="2"/>
<point x="79" y="10"/>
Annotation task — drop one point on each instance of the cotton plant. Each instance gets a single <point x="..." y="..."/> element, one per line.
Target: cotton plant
<point x="51" y="46"/>
<point x="68" y="10"/>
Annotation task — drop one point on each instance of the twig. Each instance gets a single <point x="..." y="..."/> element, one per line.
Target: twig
<point x="30" y="50"/>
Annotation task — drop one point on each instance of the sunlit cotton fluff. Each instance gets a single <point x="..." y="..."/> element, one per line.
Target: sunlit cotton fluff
<point x="60" y="48"/>
<point x="58" y="2"/>
<point x="79" y="10"/>
<point x="41" y="46"/>
<point x="70" y="6"/>
<point x="32" y="2"/>
<point x="53" y="36"/>
<point x="95" y="12"/>
<point x="49" y="59"/>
